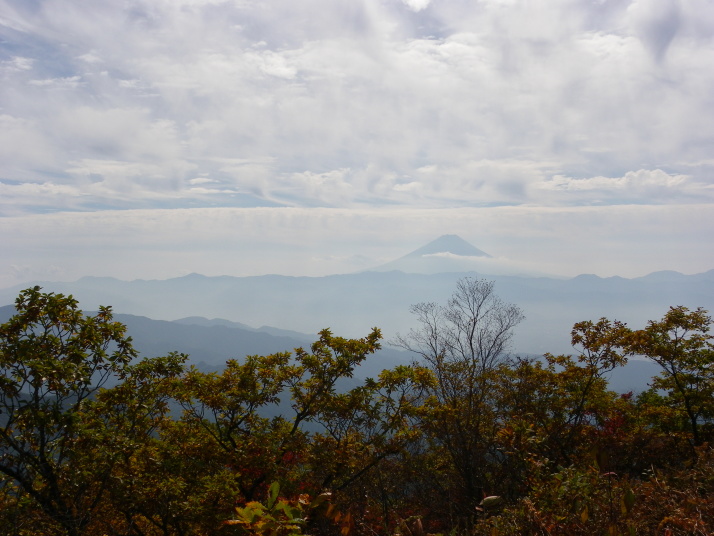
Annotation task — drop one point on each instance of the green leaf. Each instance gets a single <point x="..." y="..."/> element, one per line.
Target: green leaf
<point x="273" y="494"/>
<point x="628" y="501"/>
<point x="491" y="502"/>
<point x="317" y="501"/>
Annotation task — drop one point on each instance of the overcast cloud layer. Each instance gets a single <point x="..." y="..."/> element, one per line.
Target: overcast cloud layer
<point x="564" y="136"/>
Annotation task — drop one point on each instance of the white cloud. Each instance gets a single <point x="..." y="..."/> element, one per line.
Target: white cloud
<point x="643" y="186"/>
<point x="122" y="132"/>
<point x="25" y="147"/>
<point x="417" y="5"/>
<point x="202" y="180"/>
<point x="18" y="63"/>
<point x="415" y="104"/>
<point x="273" y="64"/>
<point x="413" y="186"/>
<point x="490" y="265"/>
<point x="384" y="98"/>
<point x="107" y="179"/>
<point x="332" y="187"/>
<point x="633" y="179"/>
<point x="90" y="57"/>
<point x="35" y="191"/>
<point x="69" y="82"/>
<point x="47" y="195"/>
<point x="129" y="84"/>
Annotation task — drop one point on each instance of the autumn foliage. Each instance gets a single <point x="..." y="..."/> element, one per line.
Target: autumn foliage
<point x="96" y="440"/>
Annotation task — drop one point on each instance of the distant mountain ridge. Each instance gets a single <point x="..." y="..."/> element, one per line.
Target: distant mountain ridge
<point x="351" y="304"/>
<point x="210" y="343"/>
<point x="205" y="322"/>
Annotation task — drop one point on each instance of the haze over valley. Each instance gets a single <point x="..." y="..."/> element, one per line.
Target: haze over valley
<point x="296" y="308"/>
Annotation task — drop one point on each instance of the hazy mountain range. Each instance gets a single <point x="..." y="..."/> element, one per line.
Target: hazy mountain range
<point x="210" y="343"/>
<point x="351" y="304"/>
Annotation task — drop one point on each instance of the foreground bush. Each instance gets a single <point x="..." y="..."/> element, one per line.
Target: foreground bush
<point x="95" y="440"/>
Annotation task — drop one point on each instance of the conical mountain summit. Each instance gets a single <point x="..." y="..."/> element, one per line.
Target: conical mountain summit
<point x="448" y="253"/>
<point x="448" y="244"/>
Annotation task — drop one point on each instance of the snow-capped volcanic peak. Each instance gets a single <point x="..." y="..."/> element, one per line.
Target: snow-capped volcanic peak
<point x="448" y="244"/>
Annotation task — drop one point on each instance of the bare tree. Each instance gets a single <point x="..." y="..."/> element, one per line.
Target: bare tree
<point x="473" y="329"/>
<point x="463" y="343"/>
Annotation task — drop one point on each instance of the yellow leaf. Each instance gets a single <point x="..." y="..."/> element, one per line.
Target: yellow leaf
<point x="584" y="515"/>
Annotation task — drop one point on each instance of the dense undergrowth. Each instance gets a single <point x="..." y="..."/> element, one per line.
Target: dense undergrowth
<point x="467" y="441"/>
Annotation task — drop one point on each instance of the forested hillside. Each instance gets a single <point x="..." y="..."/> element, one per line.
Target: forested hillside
<point x="466" y="440"/>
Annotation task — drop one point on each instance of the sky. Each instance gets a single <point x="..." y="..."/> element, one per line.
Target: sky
<point x="155" y="138"/>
